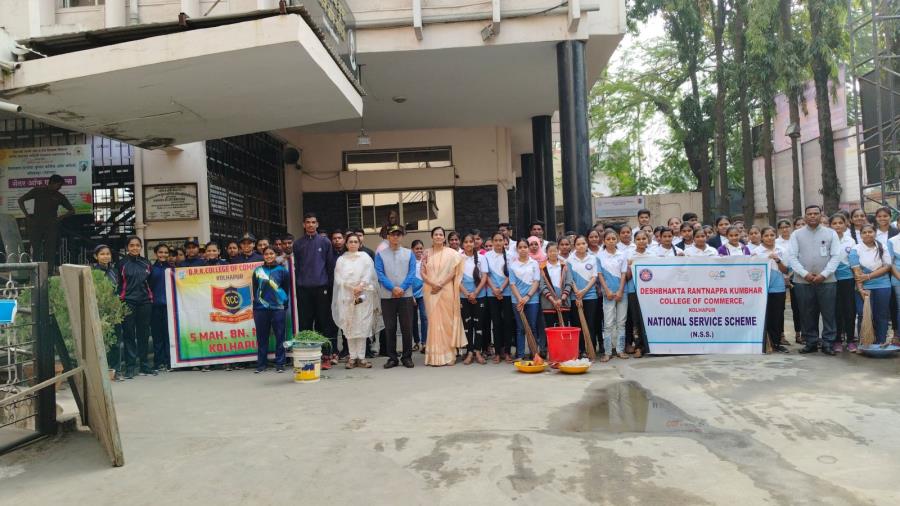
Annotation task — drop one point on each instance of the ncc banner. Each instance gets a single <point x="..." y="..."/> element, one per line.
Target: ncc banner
<point x="703" y="305"/>
<point x="211" y="314"/>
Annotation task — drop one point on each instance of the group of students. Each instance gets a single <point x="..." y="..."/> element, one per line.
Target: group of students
<point x="481" y="294"/>
<point x="141" y="285"/>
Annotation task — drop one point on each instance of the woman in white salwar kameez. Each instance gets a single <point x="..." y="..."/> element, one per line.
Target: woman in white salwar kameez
<point x="355" y="306"/>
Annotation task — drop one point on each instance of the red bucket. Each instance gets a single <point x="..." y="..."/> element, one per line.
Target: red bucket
<point x="562" y="343"/>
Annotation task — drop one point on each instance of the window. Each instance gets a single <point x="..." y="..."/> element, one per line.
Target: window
<point x="65" y="4"/>
<point x="415" y="210"/>
<point x="389" y="159"/>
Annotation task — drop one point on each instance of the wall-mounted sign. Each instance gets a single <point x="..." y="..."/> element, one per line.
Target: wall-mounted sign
<point x="171" y="202"/>
<point x="22" y="169"/>
<point x="617" y="207"/>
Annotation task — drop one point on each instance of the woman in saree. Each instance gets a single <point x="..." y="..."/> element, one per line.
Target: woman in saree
<point x="355" y="305"/>
<point x="442" y="271"/>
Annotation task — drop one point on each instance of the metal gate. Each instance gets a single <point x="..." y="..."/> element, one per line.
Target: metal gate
<point x="26" y="356"/>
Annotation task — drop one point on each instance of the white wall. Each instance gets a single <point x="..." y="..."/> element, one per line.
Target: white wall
<point x="845" y="156"/>
<point x="185" y="166"/>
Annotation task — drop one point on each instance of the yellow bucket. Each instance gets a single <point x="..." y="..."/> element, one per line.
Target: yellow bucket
<point x="307" y="363"/>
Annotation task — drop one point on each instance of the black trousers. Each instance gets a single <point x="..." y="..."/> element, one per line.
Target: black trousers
<point x="597" y="329"/>
<point x="135" y="336"/>
<point x="393" y="310"/>
<point x="637" y="329"/>
<point x="845" y="310"/>
<point x="44" y="238"/>
<point x="795" y="312"/>
<point x="504" y="325"/>
<point x="485" y="325"/>
<point x="775" y="318"/>
<point x="159" y="329"/>
<point x="590" y="318"/>
<point x="315" y="312"/>
<point x="471" y="317"/>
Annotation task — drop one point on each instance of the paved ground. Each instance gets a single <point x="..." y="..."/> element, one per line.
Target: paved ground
<point x="670" y="430"/>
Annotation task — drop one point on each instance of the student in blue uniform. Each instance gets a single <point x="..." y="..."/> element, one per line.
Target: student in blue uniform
<point x="420" y="317"/>
<point x="271" y="287"/>
<point x="871" y="264"/>
<point x="134" y="289"/>
<point x="159" y="321"/>
<point x="584" y="275"/>
<point x="212" y="254"/>
<point x="775" y="299"/>
<point x="248" y="252"/>
<point x="524" y="283"/>
<point x="613" y="267"/>
<point x="192" y="256"/>
<point x="500" y="299"/>
<point x="103" y="263"/>
<point x="472" y="297"/>
<point x="845" y="300"/>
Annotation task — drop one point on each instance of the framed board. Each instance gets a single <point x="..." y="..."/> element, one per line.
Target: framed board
<point x="171" y="202"/>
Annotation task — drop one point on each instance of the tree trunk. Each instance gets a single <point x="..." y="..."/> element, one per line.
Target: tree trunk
<point x="793" y="94"/>
<point x="821" y="70"/>
<point x="740" y="27"/>
<point x="721" y="148"/>
<point x="766" y="141"/>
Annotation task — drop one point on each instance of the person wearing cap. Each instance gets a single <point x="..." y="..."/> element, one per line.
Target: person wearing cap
<point x="248" y="250"/>
<point x="396" y="270"/>
<point x="314" y="267"/>
<point x="192" y="257"/>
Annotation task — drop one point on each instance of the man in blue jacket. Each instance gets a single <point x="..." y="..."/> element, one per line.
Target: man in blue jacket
<point x="314" y="269"/>
<point x="396" y="269"/>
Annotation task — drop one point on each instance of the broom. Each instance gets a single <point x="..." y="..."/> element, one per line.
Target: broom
<point x="559" y="318"/>
<point x="588" y="343"/>
<point x="867" y="329"/>
<point x="529" y="336"/>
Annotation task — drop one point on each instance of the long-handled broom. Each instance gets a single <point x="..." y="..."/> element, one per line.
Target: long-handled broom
<point x="529" y="336"/>
<point x="867" y="329"/>
<point x="588" y="343"/>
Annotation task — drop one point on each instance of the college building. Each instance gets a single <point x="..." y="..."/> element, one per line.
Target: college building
<point x="215" y="117"/>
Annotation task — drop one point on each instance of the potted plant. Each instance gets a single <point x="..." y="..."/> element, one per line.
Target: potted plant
<point x="112" y="312"/>
<point x="307" y="347"/>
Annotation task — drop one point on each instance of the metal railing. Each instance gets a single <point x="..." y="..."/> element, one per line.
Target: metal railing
<point x="26" y="357"/>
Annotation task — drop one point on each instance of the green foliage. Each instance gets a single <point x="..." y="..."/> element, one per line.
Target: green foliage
<point x="311" y="337"/>
<point x="112" y="310"/>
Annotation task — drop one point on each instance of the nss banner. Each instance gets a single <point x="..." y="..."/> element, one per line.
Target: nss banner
<point x="703" y="305"/>
<point x="211" y="314"/>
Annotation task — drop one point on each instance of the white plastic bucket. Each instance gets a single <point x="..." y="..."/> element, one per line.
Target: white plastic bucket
<point x="307" y="363"/>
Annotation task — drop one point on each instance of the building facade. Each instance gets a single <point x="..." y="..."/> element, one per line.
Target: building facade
<point x="425" y="108"/>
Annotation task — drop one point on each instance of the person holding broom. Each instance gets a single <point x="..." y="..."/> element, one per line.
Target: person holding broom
<point x="871" y="264"/>
<point x="524" y="282"/>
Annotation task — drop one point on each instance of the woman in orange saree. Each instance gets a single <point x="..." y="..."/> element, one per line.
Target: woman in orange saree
<point x="442" y="271"/>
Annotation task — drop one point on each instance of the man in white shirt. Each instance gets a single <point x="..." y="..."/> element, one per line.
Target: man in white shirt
<point x="537" y="229"/>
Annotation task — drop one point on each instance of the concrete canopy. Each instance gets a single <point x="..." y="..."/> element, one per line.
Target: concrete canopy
<point x="173" y="89"/>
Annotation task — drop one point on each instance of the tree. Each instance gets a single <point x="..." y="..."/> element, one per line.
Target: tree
<point x="718" y="24"/>
<point x="762" y="51"/>
<point x="789" y="62"/>
<point x="688" y="115"/>
<point x="739" y="28"/>
<point x="828" y="41"/>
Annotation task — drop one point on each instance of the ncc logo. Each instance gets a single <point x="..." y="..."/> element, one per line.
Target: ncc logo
<point x="646" y="275"/>
<point x="232" y="299"/>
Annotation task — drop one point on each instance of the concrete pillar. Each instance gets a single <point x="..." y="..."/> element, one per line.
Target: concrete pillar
<point x="502" y="205"/>
<point x="115" y="13"/>
<point x="40" y="13"/>
<point x="528" y="195"/>
<point x="573" y="130"/>
<point x="191" y="8"/>
<point x="266" y="4"/>
<point x="542" y="145"/>
<point x="187" y="164"/>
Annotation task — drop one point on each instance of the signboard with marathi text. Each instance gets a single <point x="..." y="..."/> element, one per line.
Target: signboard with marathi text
<point x="703" y="305"/>
<point x="22" y="169"/>
<point x="617" y="207"/>
<point x="211" y="314"/>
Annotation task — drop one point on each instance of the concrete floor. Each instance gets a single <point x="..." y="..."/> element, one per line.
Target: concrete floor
<point x="731" y="430"/>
